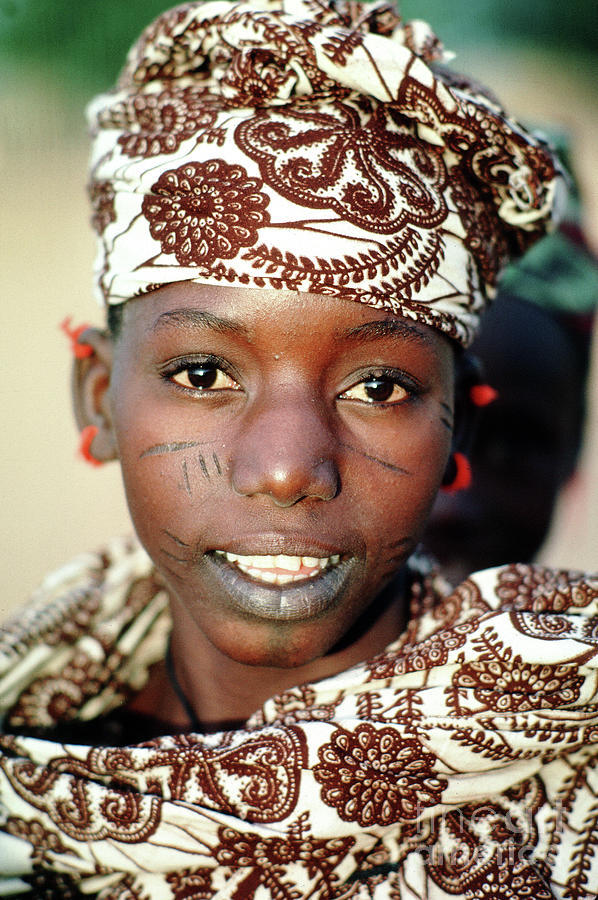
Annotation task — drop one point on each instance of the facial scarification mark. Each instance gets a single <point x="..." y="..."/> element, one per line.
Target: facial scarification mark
<point x="186" y="481"/>
<point x="204" y="467"/>
<point x="400" y="543"/>
<point x="178" y="446"/>
<point x="173" y="556"/>
<point x="447" y="420"/>
<point x="182" y="555"/>
<point x="174" y="447"/>
<point x="381" y="462"/>
<point x="174" y="538"/>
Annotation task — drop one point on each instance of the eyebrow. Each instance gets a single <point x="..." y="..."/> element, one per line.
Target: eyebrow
<point x="190" y="317"/>
<point x="381" y="328"/>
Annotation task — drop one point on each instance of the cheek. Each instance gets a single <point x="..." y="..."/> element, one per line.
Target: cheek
<point x="398" y="473"/>
<point x="171" y="465"/>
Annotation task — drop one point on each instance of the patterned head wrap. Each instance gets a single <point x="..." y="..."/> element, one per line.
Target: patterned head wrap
<point x="314" y="147"/>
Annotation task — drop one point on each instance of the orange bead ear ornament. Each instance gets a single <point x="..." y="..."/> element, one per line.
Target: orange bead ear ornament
<point x="79" y="349"/>
<point x="482" y="395"/>
<point x="462" y="477"/>
<point x="85" y="441"/>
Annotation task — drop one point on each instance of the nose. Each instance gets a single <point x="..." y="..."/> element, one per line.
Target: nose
<point x="285" y="450"/>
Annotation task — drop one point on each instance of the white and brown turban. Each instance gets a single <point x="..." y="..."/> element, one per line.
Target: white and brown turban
<point x="315" y="147"/>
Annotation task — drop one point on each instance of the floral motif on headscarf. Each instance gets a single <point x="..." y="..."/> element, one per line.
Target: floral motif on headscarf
<point x="203" y="212"/>
<point x="361" y="169"/>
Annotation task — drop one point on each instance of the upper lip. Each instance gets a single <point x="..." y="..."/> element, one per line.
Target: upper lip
<point x="278" y="545"/>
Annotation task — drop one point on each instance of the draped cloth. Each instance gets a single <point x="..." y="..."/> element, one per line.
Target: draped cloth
<point x="315" y="147"/>
<point x="462" y="761"/>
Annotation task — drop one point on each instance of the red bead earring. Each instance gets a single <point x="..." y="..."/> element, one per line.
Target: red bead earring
<point x="87" y="435"/>
<point x="79" y="350"/>
<point x="482" y="394"/>
<point x="462" y="478"/>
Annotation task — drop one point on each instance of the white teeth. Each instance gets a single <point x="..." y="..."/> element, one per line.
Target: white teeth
<point x="292" y="563"/>
<point x="264" y="576"/>
<point x="280" y="569"/>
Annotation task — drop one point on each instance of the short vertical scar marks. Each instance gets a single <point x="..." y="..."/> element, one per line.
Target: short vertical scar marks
<point x="200" y="467"/>
<point x="447" y="417"/>
<point x="194" y="465"/>
<point x="186" y="481"/>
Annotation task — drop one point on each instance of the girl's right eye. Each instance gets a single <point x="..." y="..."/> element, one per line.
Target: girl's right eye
<point x="203" y="377"/>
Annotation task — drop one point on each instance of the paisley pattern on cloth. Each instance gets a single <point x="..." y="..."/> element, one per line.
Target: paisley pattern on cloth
<point x="462" y="761"/>
<point x="311" y="147"/>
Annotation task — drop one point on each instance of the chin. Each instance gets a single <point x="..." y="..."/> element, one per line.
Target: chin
<point x="271" y="655"/>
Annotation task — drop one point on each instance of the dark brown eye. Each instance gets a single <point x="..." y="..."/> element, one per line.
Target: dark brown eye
<point x="204" y="377"/>
<point x="379" y="389"/>
<point x="376" y="390"/>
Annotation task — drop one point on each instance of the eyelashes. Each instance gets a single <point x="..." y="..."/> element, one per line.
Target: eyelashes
<point x="382" y="388"/>
<point x="373" y="387"/>
<point x="200" y="375"/>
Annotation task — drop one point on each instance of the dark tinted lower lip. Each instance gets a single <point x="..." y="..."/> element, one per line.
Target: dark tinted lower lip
<point x="283" y="603"/>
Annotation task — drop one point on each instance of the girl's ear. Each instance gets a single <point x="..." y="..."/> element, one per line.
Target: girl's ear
<point x="90" y="385"/>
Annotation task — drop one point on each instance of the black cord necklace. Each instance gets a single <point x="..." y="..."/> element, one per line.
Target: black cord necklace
<point x="176" y="686"/>
<point x="196" y="726"/>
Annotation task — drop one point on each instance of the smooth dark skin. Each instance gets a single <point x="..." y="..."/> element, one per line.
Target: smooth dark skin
<point x="285" y="453"/>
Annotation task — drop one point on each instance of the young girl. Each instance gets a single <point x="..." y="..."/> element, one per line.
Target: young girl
<point x="301" y="215"/>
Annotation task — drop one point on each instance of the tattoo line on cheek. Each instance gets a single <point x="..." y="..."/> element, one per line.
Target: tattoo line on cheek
<point x="185" y="549"/>
<point x="171" y="571"/>
<point x="204" y="468"/>
<point x="402" y="545"/>
<point x="447" y="420"/>
<point x="186" y="478"/>
<point x="174" y="538"/>
<point x="381" y="462"/>
<point x="394" y="545"/>
<point x="173" y="556"/>
<point x="174" y="447"/>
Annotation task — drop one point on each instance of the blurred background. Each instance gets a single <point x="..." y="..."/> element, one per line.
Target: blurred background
<point x="540" y="57"/>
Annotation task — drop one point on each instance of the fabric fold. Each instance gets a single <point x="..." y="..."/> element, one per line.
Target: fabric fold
<point x="482" y="716"/>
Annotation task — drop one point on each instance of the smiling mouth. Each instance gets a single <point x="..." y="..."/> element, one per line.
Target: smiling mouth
<point x="281" y="569"/>
<point x="279" y="587"/>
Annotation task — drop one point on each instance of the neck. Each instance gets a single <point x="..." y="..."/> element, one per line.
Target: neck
<point x="223" y="693"/>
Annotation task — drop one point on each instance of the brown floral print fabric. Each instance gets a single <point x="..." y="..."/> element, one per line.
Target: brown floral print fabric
<point x="311" y="147"/>
<point x="461" y="762"/>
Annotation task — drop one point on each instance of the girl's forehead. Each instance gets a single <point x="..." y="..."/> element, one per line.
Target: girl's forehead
<point x="251" y="312"/>
<point x="278" y="333"/>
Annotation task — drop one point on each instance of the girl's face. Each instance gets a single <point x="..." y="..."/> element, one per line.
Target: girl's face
<point x="280" y="455"/>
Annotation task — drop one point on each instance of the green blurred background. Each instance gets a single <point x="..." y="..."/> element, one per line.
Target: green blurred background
<point x="84" y="41"/>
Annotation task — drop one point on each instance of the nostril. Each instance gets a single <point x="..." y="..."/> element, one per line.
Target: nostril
<point x="287" y="484"/>
<point x="285" y="451"/>
<point x="327" y="481"/>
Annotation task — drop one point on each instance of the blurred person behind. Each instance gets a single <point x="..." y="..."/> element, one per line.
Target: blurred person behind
<point x="534" y="350"/>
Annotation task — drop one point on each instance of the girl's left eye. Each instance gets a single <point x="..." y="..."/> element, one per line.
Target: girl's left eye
<point x="376" y="389"/>
<point x="203" y="377"/>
